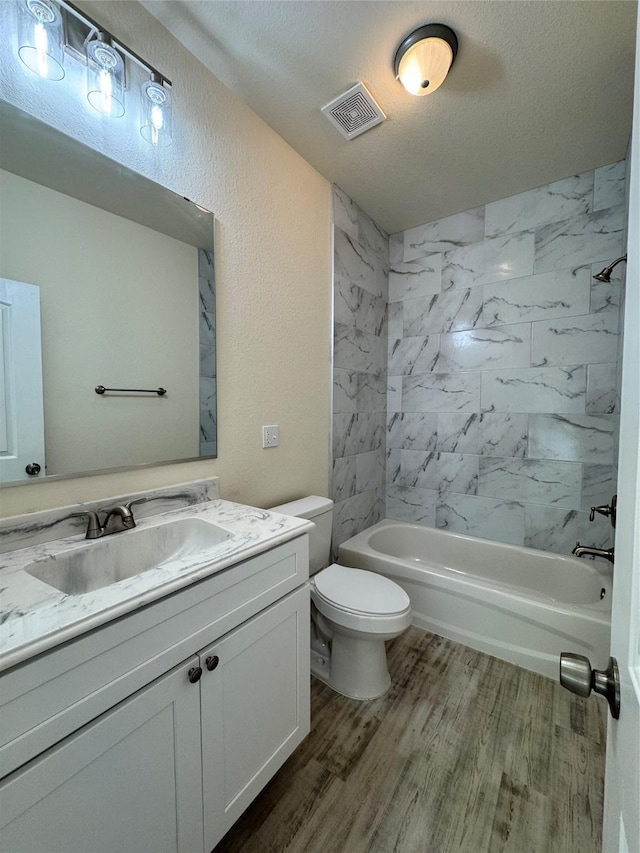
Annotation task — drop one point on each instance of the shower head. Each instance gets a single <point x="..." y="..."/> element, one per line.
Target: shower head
<point x="605" y="274"/>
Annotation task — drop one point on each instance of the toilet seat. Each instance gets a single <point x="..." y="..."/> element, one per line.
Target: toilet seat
<point x="353" y="612"/>
<point x="360" y="600"/>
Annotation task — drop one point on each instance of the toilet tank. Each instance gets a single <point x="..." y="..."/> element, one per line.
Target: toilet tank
<point x="320" y="511"/>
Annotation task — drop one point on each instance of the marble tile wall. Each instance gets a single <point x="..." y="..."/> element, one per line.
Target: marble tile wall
<point x="361" y="291"/>
<point x="613" y="388"/>
<point x="502" y="409"/>
<point x="207" y="340"/>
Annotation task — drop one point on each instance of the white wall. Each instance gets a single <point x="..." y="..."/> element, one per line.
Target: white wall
<point x="99" y="276"/>
<point x="272" y="258"/>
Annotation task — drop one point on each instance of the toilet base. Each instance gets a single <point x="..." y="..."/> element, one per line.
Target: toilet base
<point x="356" y="668"/>
<point x="320" y="668"/>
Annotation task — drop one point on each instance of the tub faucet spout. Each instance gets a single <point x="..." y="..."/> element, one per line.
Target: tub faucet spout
<point x="590" y="551"/>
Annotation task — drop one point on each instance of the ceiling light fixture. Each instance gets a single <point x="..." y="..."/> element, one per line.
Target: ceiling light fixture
<point x="424" y="58"/>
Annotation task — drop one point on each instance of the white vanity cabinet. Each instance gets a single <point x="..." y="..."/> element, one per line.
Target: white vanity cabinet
<point x="253" y="708"/>
<point x="130" y="781"/>
<point x="172" y="766"/>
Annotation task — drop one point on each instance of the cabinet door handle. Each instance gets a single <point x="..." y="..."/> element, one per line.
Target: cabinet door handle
<point x="212" y="662"/>
<point x="194" y="674"/>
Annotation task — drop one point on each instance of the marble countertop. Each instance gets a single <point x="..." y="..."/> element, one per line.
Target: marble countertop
<point x="35" y="617"/>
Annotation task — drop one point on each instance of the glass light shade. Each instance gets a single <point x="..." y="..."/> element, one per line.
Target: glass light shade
<point x="40" y="38"/>
<point x="105" y="78"/>
<point x="156" y="126"/>
<point x="425" y="65"/>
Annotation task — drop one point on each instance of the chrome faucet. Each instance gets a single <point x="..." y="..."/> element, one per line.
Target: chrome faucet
<point x="590" y="551"/>
<point x="116" y="520"/>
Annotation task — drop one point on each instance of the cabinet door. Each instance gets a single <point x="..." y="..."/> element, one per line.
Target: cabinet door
<point x="129" y="781"/>
<point x="254" y="707"/>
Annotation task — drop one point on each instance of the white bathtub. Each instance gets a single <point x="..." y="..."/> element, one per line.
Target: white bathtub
<point x="519" y="604"/>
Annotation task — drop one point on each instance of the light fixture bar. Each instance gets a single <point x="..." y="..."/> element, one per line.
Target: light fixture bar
<point x="94" y="27"/>
<point x="50" y="29"/>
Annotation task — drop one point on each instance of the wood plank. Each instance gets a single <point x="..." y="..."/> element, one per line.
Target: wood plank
<point x="532" y="731"/>
<point x="521" y="820"/>
<point x="577" y="791"/>
<point x="586" y="717"/>
<point x="464" y="754"/>
<point x="284" y="807"/>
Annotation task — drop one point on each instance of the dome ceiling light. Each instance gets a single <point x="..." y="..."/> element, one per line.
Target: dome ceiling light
<point x="424" y="58"/>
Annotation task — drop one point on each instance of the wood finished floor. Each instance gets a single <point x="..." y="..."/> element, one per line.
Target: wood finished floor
<point x="464" y="754"/>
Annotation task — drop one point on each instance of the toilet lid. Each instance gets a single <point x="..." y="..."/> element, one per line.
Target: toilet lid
<point x="360" y="592"/>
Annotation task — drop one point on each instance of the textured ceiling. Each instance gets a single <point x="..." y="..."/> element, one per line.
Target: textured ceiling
<point x="541" y="89"/>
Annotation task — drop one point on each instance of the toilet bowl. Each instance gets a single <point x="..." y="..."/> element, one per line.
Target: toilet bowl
<point x="353" y="612"/>
<point x="358" y="612"/>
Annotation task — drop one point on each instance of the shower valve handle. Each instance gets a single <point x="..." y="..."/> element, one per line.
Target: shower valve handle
<point x="608" y="510"/>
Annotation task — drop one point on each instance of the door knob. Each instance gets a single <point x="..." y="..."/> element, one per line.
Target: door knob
<point x="32" y="469"/>
<point x="578" y="677"/>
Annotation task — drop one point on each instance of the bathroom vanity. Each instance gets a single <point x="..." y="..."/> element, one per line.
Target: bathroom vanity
<point x="148" y="713"/>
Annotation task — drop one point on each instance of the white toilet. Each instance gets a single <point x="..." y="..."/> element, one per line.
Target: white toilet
<point x="353" y="612"/>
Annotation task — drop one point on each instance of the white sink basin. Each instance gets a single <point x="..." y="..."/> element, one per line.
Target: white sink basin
<point x="103" y="562"/>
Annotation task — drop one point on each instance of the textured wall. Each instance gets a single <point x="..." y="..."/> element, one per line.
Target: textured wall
<point x="272" y="266"/>
<point x="359" y="369"/>
<point x="502" y="409"/>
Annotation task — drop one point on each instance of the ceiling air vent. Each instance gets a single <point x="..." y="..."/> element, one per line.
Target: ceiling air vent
<point x="354" y="111"/>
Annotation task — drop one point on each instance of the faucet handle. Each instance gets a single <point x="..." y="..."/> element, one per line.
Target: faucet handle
<point x="608" y="510"/>
<point x="130" y="504"/>
<point x="128" y="519"/>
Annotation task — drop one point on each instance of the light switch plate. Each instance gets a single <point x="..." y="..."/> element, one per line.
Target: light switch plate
<point x="270" y="436"/>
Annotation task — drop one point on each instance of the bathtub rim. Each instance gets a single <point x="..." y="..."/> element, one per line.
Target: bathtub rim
<point x="450" y="577"/>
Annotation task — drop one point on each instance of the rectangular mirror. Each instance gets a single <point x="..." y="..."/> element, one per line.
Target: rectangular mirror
<point x="108" y="277"/>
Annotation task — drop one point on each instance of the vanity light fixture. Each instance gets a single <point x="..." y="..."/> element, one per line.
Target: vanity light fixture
<point x="423" y="59"/>
<point x="605" y="274"/>
<point x="156" y="111"/>
<point x="51" y="32"/>
<point x="40" y="38"/>
<point x="105" y="76"/>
